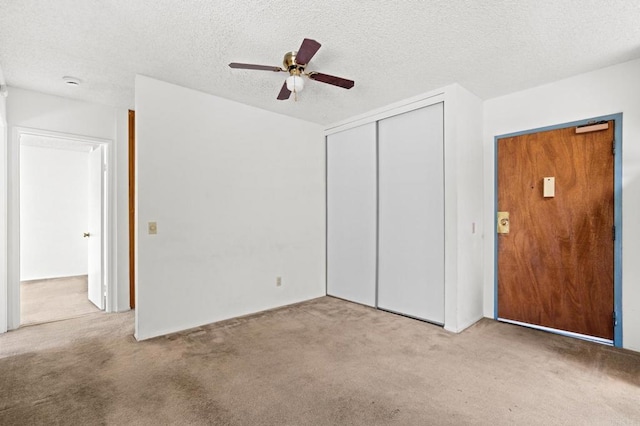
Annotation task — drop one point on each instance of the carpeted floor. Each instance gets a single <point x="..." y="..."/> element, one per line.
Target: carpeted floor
<point x="54" y="299"/>
<point x="322" y="362"/>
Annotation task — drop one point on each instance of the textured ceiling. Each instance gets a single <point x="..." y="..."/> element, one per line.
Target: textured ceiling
<point x="392" y="49"/>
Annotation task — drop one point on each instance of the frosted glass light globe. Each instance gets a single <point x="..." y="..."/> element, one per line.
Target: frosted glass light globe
<point x="295" y="83"/>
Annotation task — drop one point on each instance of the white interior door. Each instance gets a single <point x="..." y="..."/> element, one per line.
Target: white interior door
<point x="351" y="214"/>
<point x="96" y="223"/>
<point x="411" y="214"/>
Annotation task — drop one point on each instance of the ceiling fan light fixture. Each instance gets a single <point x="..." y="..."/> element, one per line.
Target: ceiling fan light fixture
<point x="295" y="63"/>
<point x="295" y="83"/>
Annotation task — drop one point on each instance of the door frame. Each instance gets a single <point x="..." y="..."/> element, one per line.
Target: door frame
<point x="13" y="217"/>
<point x="132" y="206"/>
<point x="617" y="221"/>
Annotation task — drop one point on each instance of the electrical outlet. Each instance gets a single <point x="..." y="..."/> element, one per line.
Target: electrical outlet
<point x="278" y="281"/>
<point x="153" y="228"/>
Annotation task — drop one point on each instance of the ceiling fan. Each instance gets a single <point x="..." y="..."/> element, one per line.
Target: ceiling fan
<point x="295" y="63"/>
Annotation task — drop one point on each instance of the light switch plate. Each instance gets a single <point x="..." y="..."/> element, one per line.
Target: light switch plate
<point x="153" y="228"/>
<point x="549" y="187"/>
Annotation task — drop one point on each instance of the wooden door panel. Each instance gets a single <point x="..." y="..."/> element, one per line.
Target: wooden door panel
<point x="555" y="267"/>
<point x="132" y="208"/>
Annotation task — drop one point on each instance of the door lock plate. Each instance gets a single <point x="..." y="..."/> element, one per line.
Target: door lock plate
<point x="503" y="223"/>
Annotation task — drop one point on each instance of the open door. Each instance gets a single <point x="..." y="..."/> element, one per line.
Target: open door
<point x="132" y="208"/>
<point x="96" y="221"/>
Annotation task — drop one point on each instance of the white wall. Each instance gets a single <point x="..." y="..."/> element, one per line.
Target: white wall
<point x="238" y="196"/>
<point x="607" y="91"/>
<point x="53" y="212"/>
<point x="3" y="215"/>
<point x="463" y="208"/>
<point x="44" y="112"/>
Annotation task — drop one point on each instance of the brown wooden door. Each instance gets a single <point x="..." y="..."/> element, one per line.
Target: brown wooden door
<point x="556" y="264"/>
<point x="132" y="208"/>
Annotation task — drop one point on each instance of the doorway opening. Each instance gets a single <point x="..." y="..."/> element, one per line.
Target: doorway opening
<point x="558" y="247"/>
<point x="54" y="299"/>
<point x="62" y="204"/>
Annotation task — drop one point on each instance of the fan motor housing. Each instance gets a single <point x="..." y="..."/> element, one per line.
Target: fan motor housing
<point x="290" y="63"/>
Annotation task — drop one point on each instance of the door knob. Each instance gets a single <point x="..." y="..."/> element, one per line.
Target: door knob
<point x="86" y="235"/>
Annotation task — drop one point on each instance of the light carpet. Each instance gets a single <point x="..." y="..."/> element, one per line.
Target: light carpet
<point x="321" y="362"/>
<point x="54" y="299"/>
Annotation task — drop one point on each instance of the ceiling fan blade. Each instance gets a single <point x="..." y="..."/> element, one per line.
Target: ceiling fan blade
<point x="255" y="67"/>
<point x="330" y="79"/>
<point x="308" y="48"/>
<point x="284" y="92"/>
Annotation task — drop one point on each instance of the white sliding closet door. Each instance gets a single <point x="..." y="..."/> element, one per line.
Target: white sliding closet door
<point x="411" y="214"/>
<point x="351" y="214"/>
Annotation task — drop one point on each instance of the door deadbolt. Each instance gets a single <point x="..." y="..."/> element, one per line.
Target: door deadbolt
<point x="503" y="223"/>
<point x="86" y="235"/>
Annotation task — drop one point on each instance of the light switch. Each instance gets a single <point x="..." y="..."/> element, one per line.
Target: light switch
<point x="153" y="228"/>
<point x="549" y="187"/>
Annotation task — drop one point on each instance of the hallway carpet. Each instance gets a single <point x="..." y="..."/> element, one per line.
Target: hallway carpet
<point x="54" y="299"/>
<point x="321" y="362"/>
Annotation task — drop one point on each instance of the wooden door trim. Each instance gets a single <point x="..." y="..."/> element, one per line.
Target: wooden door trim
<point x="132" y="200"/>
<point x="617" y="261"/>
